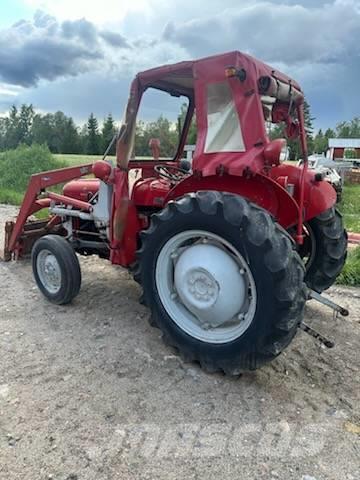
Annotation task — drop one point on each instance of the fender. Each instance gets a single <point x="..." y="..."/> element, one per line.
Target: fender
<point x="319" y="196"/>
<point x="259" y="189"/>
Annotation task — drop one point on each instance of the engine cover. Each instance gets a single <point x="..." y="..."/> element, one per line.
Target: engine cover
<point x="150" y="192"/>
<point x="82" y="189"/>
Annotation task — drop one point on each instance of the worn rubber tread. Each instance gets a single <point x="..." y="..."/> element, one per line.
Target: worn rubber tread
<point x="330" y="250"/>
<point x="282" y="263"/>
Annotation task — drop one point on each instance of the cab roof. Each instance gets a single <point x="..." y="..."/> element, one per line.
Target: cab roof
<point x="178" y="78"/>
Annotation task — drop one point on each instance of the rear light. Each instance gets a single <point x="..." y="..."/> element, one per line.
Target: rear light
<point x="240" y="73"/>
<point x="230" y="72"/>
<point x="276" y="152"/>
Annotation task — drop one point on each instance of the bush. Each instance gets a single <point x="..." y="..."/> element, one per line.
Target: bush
<point x="16" y="167"/>
<point x="350" y="274"/>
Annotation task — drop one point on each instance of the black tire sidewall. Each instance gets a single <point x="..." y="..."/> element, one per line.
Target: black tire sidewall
<point x="263" y="323"/>
<point x="69" y="267"/>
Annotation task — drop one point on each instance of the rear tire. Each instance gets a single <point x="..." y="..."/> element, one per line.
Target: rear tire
<point x="56" y="269"/>
<point x="326" y="249"/>
<point x="277" y="271"/>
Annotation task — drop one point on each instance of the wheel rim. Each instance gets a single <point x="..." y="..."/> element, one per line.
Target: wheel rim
<point x="307" y="251"/>
<point x="206" y="286"/>
<point x="49" y="271"/>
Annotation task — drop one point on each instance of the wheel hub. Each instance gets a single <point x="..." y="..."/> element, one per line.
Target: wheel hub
<point x="201" y="286"/>
<point x="49" y="271"/>
<point x="206" y="286"/>
<point x="209" y="283"/>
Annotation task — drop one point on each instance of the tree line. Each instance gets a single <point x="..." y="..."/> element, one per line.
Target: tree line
<point x="60" y="133"/>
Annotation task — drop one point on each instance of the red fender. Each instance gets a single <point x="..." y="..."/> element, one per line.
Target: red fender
<point x="318" y="195"/>
<point x="259" y="189"/>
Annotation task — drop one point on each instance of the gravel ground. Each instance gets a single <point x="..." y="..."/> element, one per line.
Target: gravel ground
<point x="89" y="391"/>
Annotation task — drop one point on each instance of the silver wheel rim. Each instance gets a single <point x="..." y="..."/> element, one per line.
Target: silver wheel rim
<point x="206" y="286"/>
<point x="49" y="272"/>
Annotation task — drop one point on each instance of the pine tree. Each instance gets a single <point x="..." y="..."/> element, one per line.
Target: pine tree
<point x="107" y="134"/>
<point x="26" y="118"/>
<point x="92" y="144"/>
<point x="320" y="142"/>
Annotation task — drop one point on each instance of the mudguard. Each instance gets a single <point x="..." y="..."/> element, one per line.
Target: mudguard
<point x="259" y="189"/>
<point x="267" y="192"/>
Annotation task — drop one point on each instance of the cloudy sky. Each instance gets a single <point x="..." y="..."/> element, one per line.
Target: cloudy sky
<point x="79" y="56"/>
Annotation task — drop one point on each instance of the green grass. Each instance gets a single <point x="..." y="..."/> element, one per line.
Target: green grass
<point x="70" y="159"/>
<point x="10" y="197"/>
<point x="16" y="167"/>
<point x="350" y="274"/>
<point x="350" y="207"/>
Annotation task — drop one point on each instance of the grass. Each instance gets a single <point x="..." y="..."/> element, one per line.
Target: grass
<point x="350" y="207"/>
<point x="16" y="167"/>
<point x="70" y="159"/>
<point x="350" y="274"/>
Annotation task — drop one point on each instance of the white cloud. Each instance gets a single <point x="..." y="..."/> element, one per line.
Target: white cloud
<point x="97" y="12"/>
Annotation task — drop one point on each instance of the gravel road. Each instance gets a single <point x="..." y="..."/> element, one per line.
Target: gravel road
<point x="89" y="391"/>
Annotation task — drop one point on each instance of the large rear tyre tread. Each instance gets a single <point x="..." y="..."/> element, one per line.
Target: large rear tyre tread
<point x="330" y="250"/>
<point x="252" y="230"/>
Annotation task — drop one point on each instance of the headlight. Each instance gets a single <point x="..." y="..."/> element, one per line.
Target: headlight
<point x="276" y="152"/>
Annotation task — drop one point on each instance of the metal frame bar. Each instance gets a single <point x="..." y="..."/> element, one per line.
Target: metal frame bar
<point x="38" y="183"/>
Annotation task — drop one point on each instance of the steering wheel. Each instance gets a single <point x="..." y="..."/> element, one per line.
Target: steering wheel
<point x="170" y="172"/>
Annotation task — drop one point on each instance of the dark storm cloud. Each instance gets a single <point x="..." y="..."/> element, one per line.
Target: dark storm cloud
<point x="47" y="49"/>
<point x="290" y="34"/>
<point x="114" y="39"/>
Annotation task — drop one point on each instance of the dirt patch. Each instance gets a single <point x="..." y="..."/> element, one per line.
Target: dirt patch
<point x="89" y="391"/>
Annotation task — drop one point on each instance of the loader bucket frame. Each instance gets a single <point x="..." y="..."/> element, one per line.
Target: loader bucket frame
<point x="21" y="234"/>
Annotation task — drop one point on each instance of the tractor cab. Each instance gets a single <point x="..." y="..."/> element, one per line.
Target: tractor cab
<point x="233" y="97"/>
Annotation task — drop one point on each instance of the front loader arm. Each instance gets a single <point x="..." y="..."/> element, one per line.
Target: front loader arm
<point x="38" y="183"/>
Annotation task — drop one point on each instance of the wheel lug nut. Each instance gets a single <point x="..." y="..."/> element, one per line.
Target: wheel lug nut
<point x="242" y="271"/>
<point x="174" y="296"/>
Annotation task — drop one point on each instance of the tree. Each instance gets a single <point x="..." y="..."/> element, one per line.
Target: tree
<point x="348" y="129"/>
<point x="107" y="134"/>
<point x="92" y="143"/>
<point x="2" y="133"/>
<point x="320" y="142"/>
<point x="192" y="133"/>
<point x="12" y="137"/>
<point x="162" y="129"/>
<point x="24" y="125"/>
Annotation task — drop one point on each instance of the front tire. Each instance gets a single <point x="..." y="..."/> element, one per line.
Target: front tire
<point x="56" y="269"/>
<point x="204" y="261"/>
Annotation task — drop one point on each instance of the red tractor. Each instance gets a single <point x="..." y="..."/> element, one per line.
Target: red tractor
<point x="227" y="249"/>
